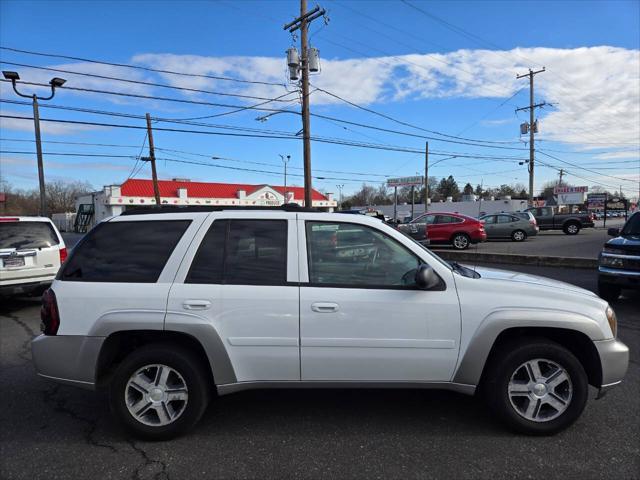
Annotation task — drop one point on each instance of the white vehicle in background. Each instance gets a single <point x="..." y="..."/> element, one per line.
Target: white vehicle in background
<point x="31" y="252"/>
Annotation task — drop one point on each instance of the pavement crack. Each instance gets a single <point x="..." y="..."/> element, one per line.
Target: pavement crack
<point x="25" y="351"/>
<point x="148" y="463"/>
<point x="51" y="397"/>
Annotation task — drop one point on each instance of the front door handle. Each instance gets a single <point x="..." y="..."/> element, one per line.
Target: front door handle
<point x="196" y="304"/>
<point x="324" y="307"/>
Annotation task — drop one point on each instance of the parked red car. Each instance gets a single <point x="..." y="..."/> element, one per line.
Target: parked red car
<point x="453" y="228"/>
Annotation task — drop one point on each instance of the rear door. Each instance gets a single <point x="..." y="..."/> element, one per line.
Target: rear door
<point x="505" y="225"/>
<point x="490" y="226"/>
<point x="29" y="250"/>
<point x="237" y="289"/>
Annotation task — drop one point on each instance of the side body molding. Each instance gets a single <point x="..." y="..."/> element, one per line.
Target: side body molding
<point x="479" y="346"/>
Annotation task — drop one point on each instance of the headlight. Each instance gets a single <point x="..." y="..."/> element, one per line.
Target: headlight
<point x="608" y="249"/>
<point x="613" y="321"/>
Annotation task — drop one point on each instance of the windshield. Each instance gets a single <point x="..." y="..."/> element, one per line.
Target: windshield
<point x="633" y="226"/>
<point x="21" y="235"/>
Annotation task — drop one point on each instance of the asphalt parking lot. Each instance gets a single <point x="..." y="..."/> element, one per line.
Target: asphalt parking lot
<point x="586" y="244"/>
<point x="51" y="431"/>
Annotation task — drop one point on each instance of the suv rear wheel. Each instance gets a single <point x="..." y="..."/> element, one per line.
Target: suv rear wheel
<point x="519" y="236"/>
<point x="159" y="391"/>
<point x="536" y="387"/>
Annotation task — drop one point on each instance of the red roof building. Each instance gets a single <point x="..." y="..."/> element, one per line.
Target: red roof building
<point x="114" y="199"/>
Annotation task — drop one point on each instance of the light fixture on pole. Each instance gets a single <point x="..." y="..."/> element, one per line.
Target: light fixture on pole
<point x="285" y="160"/>
<point x="54" y="83"/>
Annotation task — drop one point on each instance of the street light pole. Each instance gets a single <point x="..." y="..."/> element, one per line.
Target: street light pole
<point x="55" y="82"/>
<point x="288" y="157"/>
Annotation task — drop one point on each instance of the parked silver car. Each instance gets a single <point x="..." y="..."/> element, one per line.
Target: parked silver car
<point x="508" y="225"/>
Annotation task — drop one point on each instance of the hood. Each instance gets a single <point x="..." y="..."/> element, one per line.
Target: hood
<point x="626" y="243"/>
<point x="535" y="280"/>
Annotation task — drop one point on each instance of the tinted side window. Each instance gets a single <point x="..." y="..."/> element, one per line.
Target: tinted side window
<point x="351" y="255"/>
<point x="505" y="219"/>
<point x="448" y="219"/>
<point x="208" y="264"/>
<point x="256" y="252"/>
<point x="133" y="252"/>
<point x="489" y="220"/>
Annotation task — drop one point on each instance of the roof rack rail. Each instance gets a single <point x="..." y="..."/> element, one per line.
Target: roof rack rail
<point x="153" y="209"/>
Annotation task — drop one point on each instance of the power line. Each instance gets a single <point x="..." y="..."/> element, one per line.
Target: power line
<point x="584" y="168"/>
<point x="142" y="82"/>
<point x="138" y="67"/>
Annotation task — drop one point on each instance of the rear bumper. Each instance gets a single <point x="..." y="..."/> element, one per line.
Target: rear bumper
<point x="67" y="359"/>
<point x="17" y="288"/>
<point x="614" y="360"/>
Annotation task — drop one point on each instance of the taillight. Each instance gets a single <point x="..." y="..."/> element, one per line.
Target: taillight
<point x="63" y="255"/>
<point x="49" y="316"/>
<point x="533" y="222"/>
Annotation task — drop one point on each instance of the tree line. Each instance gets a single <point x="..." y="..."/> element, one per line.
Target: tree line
<point x="60" y="197"/>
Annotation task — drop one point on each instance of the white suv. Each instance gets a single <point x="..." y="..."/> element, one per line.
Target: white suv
<point x="168" y="308"/>
<point x="31" y="252"/>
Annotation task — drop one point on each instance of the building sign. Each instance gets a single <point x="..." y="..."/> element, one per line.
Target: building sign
<point x="616" y="204"/>
<point x="405" y="181"/>
<point x="596" y="201"/>
<point x="570" y="198"/>
<point x="561" y="190"/>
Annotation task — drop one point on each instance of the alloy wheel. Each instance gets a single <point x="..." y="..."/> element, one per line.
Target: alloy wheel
<point x="540" y="390"/>
<point x="156" y="395"/>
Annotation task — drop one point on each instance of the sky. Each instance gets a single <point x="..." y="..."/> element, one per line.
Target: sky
<point x="401" y="72"/>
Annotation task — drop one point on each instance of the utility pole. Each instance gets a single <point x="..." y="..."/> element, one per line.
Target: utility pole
<point x="340" y="187"/>
<point x="426" y="177"/>
<point x="532" y="127"/>
<point x="152" y="159"/>
<point x="302" y="23"/>
<point x="55" y="82"/>
<point x="561" y="174"/>
<point x="285" y="160"/>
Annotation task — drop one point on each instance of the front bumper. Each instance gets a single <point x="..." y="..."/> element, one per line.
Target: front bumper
<point x="614" y="360"/>
<point x="69" y="359"/>
<point x="617" y="276"/>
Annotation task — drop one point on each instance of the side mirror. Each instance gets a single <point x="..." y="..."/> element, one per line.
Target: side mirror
<point x="426" y="277"/>
<point x="613" y="232"/>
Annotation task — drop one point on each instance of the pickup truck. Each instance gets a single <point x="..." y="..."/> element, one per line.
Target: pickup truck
<point x="569" y="223"/>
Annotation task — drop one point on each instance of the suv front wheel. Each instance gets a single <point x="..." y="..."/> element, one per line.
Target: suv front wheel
<point x="159" y="391"/>
<point x="536" y="387"/>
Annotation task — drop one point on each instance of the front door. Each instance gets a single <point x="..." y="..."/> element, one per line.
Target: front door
<point x="362" y="318"/>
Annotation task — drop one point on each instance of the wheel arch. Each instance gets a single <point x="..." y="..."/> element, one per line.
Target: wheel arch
<point x="119" y="344"/>
<point x="474" y="365"/>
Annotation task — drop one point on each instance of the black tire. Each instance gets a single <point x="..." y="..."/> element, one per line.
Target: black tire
<point x="571" y="228"/>
<point x="186" y="364"/>
<point x="506" y="363"/>
<point x="609" y="292"/>
<point x="518" y="236"/>
<point x="460" y="241"/>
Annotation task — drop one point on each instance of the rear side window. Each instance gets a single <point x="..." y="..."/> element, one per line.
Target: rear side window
<point x="242" y="252"/>
<point x="21" y="235"/>
<point x="448" y="219"/>
<point x="132" y="252"/>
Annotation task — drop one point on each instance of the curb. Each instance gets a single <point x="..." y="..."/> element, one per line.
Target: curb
<point x="515" y="259"/>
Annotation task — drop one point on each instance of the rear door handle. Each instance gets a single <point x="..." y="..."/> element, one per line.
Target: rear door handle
<point x="324" y="307"/>
<point x="196" y="304"/>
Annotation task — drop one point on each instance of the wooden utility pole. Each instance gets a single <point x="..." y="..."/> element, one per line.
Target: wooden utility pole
<point x="561" y="175"/>
<point x="152" y="159"/>
<point x="426" y="177"/>
<point x="302" y="23"/>
<point x="532" y="127"/>
<point x="306" y="122"/>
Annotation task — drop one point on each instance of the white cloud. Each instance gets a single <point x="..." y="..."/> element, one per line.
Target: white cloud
<point x="50" y="128"/>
